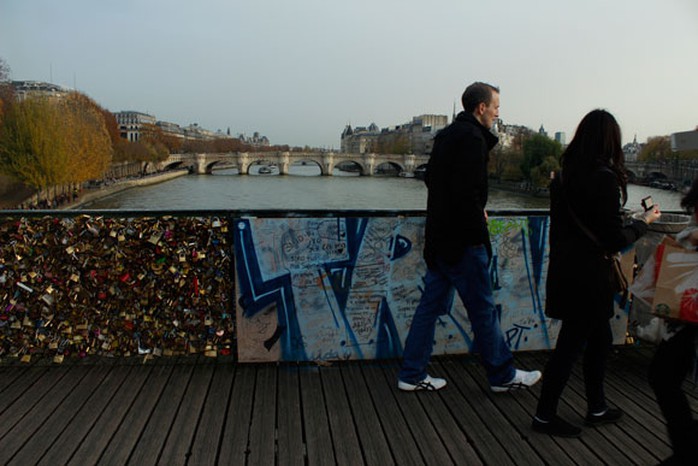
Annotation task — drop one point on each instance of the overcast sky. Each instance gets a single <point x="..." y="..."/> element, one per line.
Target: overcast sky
<point x="298" y="71"/>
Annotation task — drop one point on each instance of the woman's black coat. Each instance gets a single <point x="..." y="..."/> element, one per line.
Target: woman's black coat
<point x="578" y="270"/>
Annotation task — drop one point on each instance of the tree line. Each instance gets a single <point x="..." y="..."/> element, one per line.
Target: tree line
<point x="658" y="149"/>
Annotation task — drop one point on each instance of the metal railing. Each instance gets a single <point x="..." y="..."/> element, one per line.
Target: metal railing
<point x="306" y="285"/>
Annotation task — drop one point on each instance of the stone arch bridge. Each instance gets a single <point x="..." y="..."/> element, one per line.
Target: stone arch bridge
<point x="365" y="164"/>
<point x="679" y="172"/>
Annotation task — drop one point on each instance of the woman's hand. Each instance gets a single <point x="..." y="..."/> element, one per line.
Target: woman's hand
<point x="652" y="215"/>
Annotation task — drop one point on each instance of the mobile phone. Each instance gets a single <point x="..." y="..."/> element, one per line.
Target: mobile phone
<point x="647" y="203"/>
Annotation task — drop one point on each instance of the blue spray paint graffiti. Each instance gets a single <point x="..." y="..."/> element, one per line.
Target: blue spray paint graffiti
<point x="388" y="343"/>
<point x="340" y="272"/>
<point x="400" y="247"/>
<point x="256" y="294"/>
<point x="349" y="287"/>
<point x="537" y="237"/>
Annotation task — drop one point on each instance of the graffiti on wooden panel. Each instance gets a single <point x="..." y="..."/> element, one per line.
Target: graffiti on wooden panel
<point x="313" y="289"/>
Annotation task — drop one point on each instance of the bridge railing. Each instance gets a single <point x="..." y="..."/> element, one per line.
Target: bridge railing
<point x="268" y="285"/>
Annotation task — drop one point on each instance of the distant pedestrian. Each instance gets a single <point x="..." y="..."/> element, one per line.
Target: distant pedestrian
<point x="586" y="228"/>
<point x="457" y="248"/>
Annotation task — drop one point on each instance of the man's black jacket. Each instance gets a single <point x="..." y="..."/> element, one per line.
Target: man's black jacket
<point x="456" y="180"/>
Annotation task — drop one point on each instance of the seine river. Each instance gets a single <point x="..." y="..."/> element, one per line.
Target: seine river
<point x="303" y="188"/>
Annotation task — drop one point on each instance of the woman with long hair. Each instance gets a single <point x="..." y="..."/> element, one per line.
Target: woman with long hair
<point x="586" y="229"/>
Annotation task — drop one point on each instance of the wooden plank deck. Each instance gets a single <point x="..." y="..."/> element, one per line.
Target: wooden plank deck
<point x="199" y="411"/>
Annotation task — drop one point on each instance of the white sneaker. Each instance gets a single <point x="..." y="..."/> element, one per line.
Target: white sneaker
<point x="522" y="379"/>
<point x="428" y="384"/>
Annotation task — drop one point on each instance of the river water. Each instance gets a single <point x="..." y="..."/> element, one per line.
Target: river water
<point x="303" y="188"/>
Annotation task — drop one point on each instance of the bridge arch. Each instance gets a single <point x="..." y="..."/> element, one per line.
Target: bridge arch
<point x="351" y="166"/>
<point x="178" y="164"/>
<point x="310" y="163"/>
<point x="656" y="175"/>
<point x="388" y="168"/>
<point x="263" y="166"/>
<point x="218" y="165"/>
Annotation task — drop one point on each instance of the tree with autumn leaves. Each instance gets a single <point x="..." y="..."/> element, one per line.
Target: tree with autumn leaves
<point x="47" y="142"/>
<point x="658" y="149"/>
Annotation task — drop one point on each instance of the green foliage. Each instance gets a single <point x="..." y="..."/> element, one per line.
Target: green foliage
<point x="540" y="175"/>
<point x="537" y="150"/>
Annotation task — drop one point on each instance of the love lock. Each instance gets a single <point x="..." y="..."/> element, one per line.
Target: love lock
<point x="216" y="223"/>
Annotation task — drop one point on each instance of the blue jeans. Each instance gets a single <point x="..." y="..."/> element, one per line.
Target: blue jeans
<point x="471" y="280"/>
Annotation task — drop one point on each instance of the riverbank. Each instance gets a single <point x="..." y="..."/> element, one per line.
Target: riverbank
<point x="14" y="194"/>
<point x="92" y="194"/>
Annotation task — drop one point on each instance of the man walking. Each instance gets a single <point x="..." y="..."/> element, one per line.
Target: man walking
<point x="457" y="248"/>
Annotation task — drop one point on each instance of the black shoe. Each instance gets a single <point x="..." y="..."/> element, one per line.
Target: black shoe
<point x="610" y="416"/>
<point x="557" y="427"/>
<point x="673" y="460"/>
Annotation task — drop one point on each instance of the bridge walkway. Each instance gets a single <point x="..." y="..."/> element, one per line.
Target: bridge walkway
<point x="200" y="411"/>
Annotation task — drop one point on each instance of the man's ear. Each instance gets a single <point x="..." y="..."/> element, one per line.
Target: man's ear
<point x="480" y="109"/>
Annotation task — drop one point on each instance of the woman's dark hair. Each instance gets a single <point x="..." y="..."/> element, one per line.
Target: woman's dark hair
<point x="690" y="201"/>
<point x="477" y="93"/>
<point x="596" y="143"/>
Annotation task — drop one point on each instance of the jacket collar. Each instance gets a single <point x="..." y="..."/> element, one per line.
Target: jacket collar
<point x="490" y="138"/>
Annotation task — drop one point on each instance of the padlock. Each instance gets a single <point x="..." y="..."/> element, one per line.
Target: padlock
<point x="155" y="238"/>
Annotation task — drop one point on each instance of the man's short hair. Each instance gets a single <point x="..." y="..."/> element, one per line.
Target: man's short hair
<point x="477" y="93"/>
